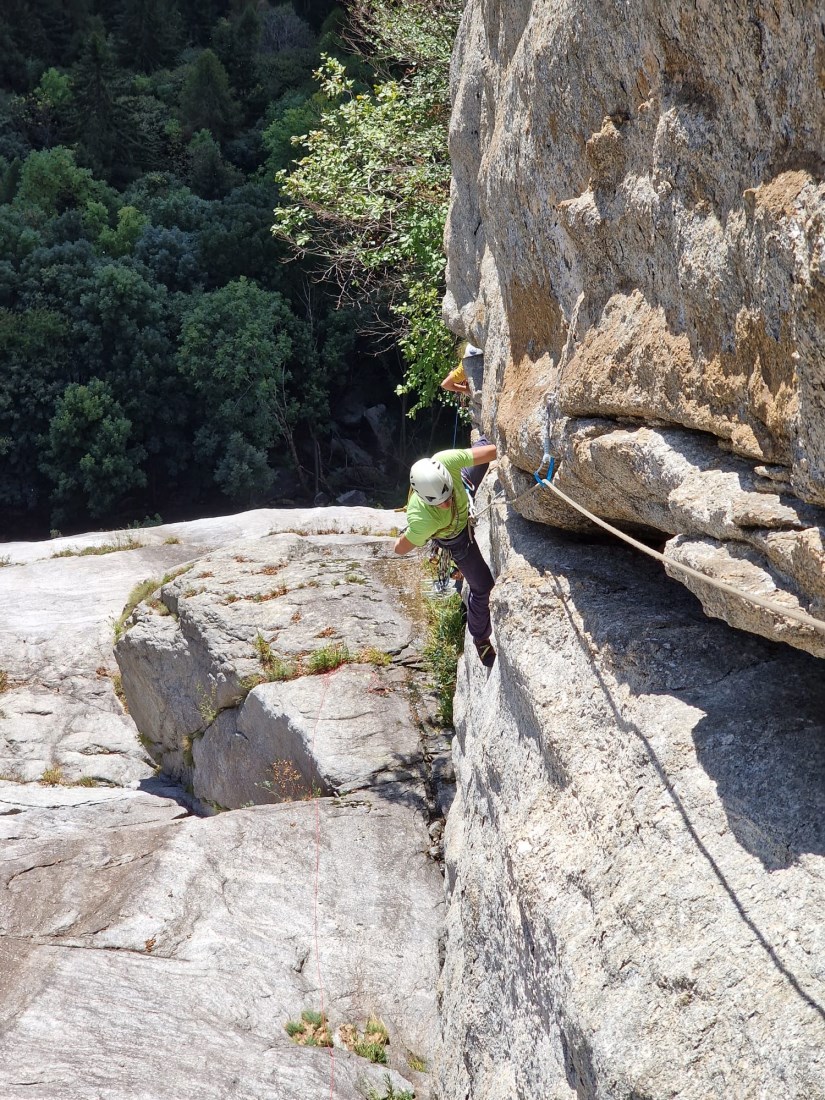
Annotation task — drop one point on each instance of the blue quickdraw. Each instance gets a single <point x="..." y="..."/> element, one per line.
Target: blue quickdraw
<point x="551" y="469"/>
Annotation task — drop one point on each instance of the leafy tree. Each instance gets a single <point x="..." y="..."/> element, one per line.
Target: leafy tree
<point x="170" y="255"/>
<point x="56" y="277"/>
<point x="51" y="181"/>
<point x="122" y="321"/>
<point x="368" y="199"/>
<point x="149" y="33"/>
<point x="99" y="120"/>
<point x="235" y="41"/>
<point x="33" y="350"/>
<point x="121" y="240"/>
<point x="234" y="240"/>
<point x="89" y="455"/>
<point x="209" y="175"/>
<point x="243" y="351"/>
<point x="206" y="100"/>
<point x="282" y="29"/>
<point x="293" y="115"/>
<point x="154" y="141"/>
<point x="48" y="108"/>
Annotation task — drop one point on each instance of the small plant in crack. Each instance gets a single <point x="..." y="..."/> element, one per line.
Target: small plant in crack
<point x="207" y="704"/>
<point x="275" y="667"/>
<point x="371" y="1044"/>
<point x="312" y="1030"/>
<point x="389" y="1092"/>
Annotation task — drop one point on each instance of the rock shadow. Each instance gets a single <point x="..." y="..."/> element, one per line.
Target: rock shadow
<point x="762" y="734"/>
<point x="761" y="737"/>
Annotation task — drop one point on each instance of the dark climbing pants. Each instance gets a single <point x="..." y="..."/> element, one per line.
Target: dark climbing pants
<point x="468" y="558"/>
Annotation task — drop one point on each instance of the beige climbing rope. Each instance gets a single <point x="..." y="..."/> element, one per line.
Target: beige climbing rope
<point x="768" y="605"/>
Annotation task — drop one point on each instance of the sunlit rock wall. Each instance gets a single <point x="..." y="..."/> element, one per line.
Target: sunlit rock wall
<point x="637" y="239"/>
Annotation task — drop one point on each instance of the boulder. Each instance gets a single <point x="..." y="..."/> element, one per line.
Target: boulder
<point x="236" y="690"/>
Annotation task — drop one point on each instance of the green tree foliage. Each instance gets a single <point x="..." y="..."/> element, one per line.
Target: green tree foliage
<point x="157" y="347"/>
<point x="51" y="181"/>
<point x="121" y="240"/>
<point x="209" y="175"/>
<point x="235" y="41"/>
<point x="89" y="455"/>
<point x="369" y="196"/>
<point x="100" y="122"/>
<point x="149" y="33"/>
<point x="243" y="350"/>
<point x="206" y="101"/>
<point x="33" y="351"/>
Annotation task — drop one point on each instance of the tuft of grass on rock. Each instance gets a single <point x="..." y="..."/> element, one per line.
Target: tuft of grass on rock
<point x="416" y="1062"/>
<point x="371" y="655"/>
<point x="444" y="645"/>
<point x="144" y="590"/>
<point x="122" y="542"/>
<point x="275" y="668"/>
<point x="312" y="1030"/>
<point x="389" y="1092"/>
<point x="327" y="658"/>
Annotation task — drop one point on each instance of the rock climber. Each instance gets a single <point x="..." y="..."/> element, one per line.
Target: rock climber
<point x="456" y="380"/>
<point x="439" y="509"/>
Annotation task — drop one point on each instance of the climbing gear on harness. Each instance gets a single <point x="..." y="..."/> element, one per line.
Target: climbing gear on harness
<point x="486" y="653"/>
<point x="442" y="560"/>
<point x="430" y="479"/>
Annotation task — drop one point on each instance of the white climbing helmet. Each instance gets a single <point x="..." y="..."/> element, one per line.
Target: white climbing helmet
<point x="431" y="480"/>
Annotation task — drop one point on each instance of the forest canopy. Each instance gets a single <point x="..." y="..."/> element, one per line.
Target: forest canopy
<point x="161" y="348"/>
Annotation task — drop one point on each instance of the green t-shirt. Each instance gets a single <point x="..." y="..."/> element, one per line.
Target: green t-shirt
<point x="425" y="521"/>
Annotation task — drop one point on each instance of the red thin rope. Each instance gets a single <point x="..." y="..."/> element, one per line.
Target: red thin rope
<point x="331" y="1049"/>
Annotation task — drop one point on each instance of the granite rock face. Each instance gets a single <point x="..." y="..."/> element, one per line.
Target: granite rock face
<point x="637" y="240"/>
<point x="636" y="860"/>
<point x="147" y="953"/>
<point x="636" y="853"/>
<point x="225" y="672"/>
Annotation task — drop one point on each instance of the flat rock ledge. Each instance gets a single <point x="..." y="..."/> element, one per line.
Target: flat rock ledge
<point x="150" y="954"/>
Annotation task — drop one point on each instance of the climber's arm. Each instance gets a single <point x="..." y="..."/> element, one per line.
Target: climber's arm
<point x="485" y="453"/>
<point x="403" y="545"/>
<point x="451" y="384"/>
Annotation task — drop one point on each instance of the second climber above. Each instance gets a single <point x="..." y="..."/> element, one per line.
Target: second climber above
<point x="439" y="509"/>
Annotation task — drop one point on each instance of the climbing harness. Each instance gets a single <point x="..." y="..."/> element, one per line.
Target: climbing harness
<point x="545" y="481"/>
<point x="442" y="559"/>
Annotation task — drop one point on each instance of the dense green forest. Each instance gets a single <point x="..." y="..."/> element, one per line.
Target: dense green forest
<point x="220" y="243"/>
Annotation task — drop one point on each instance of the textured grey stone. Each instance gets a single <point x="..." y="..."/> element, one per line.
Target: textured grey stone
<point x="163" y="960"/>
<point x="635" y="855"/>
<point x="187" y="674"/>
<point x="635" y="239"/>
<point x="339" y="733"/>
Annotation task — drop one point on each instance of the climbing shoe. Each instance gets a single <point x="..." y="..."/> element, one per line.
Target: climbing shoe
<point x="486" y="653"/>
